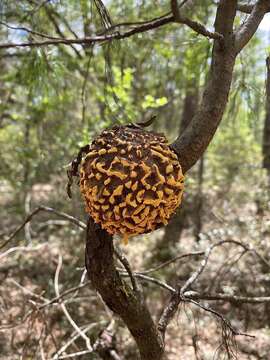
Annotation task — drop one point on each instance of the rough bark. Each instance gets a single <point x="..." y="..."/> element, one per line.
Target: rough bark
<point x="118" y="295"/>
<point x="266" y="130"/>
<point x="193" y="142"/>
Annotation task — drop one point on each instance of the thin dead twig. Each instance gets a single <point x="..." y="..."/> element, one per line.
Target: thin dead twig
<point x="168" y="262"/>
<point x="221" y="317"/>
<point x="65" y="311"/>
<point x="120" y="256"/>
<point x="146" y="26"/>
<point x="35" y="212"/>
<point x="148" y="279"/>
<point x="29" y="31"/>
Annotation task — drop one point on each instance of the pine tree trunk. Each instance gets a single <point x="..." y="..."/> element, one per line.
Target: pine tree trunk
<point x="266" y="131"/>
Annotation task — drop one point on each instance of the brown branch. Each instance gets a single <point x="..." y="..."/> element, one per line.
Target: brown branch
<point x="29" y="31"/>
<point x="248" y="29"/>
<point x="118" y="296"/>
<point x="175" y="10"/>
<point x="247" y="8"/>
<point x="56" y="42"/>
<point x="193" y="142"/>
<point x="235" y="299"/>
<point x="120" y="256"/>
<point x="146" y="26"/>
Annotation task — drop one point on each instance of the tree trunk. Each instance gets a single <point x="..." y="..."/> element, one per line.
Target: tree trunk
<point x="266" y="130"/>
<point x="193" y="142"/>
<point x="124" y="301"/>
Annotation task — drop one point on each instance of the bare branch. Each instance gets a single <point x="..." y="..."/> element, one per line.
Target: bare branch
<point x="175" y="10"/>
<point x="63" y="294"/>
<point x="29" y="31"/>
<point x="196" y="26"/>
<point x="71" y="341"/>
<point x="171" y="309"/>
<point x="35" y="212"/>
<point x="168" y="262"/>
<point x="235" y="299"/>
<point x="247" y="8"/>
<point x="191" y="144"/>
<point x="221" y="317"/>
<point x="63" y="306"/>
<point x="150" y="279"/>
<point x="203" y="264"/>
<point x="248" y="29"/>
<point x="145" y="26"/>
<point x="117" y="295"/>
<point x="126" y="265"/>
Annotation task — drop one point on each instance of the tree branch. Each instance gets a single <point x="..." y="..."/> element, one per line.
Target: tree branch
<point x="171" y="309"/>
<point x="248" y="29"/>
<point x="35" y="212"/>
<point x="247" y="8"/>
<point x="118" y="296"/>
<point x="143" y="27"/>
<point x="168" y="262"/>
<point x="192" y="143"/>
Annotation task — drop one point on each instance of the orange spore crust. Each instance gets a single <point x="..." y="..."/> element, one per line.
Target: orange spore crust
<point x="131" y="181"/>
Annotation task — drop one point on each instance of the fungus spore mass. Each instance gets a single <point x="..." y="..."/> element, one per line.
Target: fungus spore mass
<point x="131" y="181"/>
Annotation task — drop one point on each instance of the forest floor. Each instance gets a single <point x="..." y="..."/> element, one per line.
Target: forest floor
<point x="30" y="328"/>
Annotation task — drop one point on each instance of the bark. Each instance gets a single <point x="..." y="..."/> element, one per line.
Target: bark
<point x="193" y="142"/>
<point x="118" y="295"/>
<point x="266" y="130"/>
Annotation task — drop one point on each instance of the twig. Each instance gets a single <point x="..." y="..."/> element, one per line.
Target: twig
<point x="65" y="311"/>
<point x="146" y="26"/>
<point x="223" y="319"/>
<point x="36" y="211"/>
<point x="171" y="309"/>
<point x="79" y="353"/>
<point x="158" y="267"/>
<point x="27" y="291"/>
<point x="71" y="341"/>
<point x="247" y="8"/>
<point x="21" y="248"/>
<point x="29" y="31"/>
<point x="203" y="264"/>
<point x="63" y="294"/>
<point x="149" y="279"/>
<point x="126" y="265"/>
